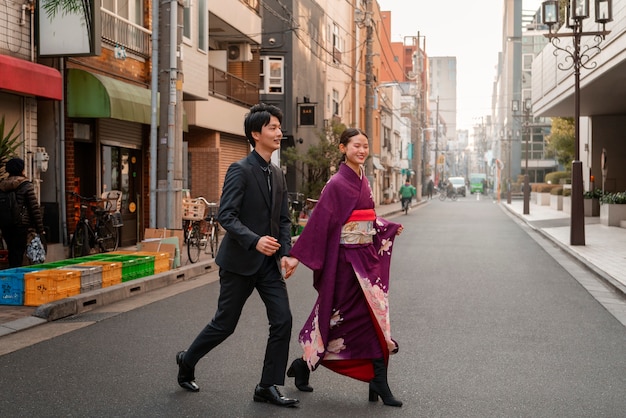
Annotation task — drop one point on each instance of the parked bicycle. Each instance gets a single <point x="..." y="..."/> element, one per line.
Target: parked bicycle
<point x="201" y="227"/>
<point x="98" y="225"/>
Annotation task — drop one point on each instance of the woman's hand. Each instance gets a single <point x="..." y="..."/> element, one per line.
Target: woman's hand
<point x="288" y="266"/>
<point x="399" y="231"/>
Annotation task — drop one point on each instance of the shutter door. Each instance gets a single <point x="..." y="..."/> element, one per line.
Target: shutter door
<point x="232" y="148"/>
<point x="120" y="133"/>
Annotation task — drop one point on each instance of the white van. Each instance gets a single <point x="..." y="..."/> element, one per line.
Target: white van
<point x="459" y="185"/>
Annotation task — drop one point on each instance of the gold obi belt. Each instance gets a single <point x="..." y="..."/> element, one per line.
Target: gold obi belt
<point x="359" y="228"/>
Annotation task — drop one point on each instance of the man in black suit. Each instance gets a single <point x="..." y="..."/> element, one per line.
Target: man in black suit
<point x="255" y="214"/>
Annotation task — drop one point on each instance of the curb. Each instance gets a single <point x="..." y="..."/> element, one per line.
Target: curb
<point x="84" y="302"/>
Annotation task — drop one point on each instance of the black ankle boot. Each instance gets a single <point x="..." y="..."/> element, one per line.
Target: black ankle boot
<point x="379" y="386"/>
<point x="301" y="372"/>
<point x="186" y="378"/>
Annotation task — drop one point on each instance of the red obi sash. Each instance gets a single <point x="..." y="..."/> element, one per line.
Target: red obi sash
<point x="362" y="215"/>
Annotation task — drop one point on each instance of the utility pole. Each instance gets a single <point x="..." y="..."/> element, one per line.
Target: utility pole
<point x="369" y="90"/>
<point x="170" y="128"/>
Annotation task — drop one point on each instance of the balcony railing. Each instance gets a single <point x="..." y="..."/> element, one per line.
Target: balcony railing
<point x="119" y="31"/>
<point x="233" y="88"/>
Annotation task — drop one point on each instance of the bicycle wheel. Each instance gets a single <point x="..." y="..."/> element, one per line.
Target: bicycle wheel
<point x="442" y="196"/>
<point x="213" y="238"/>
<point x="107" y="234"/>
<point x="453" y="196"/>
<point x="80" y="241"/>
<point x="194" y="243"/>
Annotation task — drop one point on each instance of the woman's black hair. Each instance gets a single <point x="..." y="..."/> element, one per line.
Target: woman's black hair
<point x="347" y="135"/>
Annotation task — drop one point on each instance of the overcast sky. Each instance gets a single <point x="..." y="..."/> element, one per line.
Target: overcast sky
<point x="471" y="31"/>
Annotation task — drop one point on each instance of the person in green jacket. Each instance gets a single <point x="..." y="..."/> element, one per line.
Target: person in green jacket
<point x="407" y="192"/>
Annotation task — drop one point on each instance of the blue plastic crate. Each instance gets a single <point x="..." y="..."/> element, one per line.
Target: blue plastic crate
<point x="12" y="285"/>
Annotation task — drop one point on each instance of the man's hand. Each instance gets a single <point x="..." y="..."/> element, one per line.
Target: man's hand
<point x="288" y="266"/>
<point x="267" y="245"/>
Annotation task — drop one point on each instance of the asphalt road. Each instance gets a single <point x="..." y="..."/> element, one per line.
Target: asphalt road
<point x="489" y="325"/>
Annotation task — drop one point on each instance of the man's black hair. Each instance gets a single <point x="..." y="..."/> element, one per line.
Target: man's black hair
<point x="258" y="117"/>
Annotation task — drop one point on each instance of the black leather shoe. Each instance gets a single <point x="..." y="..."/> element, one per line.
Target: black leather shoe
<point x="273" y="396"/>
<point x="186" y="378"/>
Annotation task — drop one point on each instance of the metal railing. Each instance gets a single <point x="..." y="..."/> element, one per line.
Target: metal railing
<point x="119" y="31"/>
<point x="233" y="88"/>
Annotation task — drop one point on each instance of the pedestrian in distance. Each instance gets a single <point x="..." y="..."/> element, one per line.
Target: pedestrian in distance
<point x="29" y="220"/>
<point x="407" y="193"/>
<point x="255" y="214"/>
<point x="349" y="250"/>
<point x="430" y="188"/>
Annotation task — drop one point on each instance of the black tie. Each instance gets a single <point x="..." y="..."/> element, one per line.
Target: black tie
<point x="268" y="171"/>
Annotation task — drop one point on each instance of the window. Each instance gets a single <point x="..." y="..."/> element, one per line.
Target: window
<point x="272" y="75"/>
<point x="187" y="20"/>
<point x="336" y="44"/>
<point x="130" y="10"/>
<point x="335" y="103"/>
<point x="527" y="61"/>
<point x="202" y="25"/>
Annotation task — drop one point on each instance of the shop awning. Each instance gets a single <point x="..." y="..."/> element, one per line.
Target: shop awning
<point x="376" y="163"/>
<point x="92" y="95"/>
<point x="30" y="79"/>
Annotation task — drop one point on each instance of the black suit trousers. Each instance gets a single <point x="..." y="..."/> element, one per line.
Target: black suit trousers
<point x="235" y="290"/>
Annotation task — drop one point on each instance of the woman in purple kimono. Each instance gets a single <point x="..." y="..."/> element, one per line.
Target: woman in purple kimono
<point x="349" y="250"/>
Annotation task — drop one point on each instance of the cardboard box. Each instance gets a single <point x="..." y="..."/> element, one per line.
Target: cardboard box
<point x="164" y="233"/>
<point x="156" y="245"/>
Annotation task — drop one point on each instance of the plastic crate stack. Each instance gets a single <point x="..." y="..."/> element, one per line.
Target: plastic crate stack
<point x="43" y="283"/>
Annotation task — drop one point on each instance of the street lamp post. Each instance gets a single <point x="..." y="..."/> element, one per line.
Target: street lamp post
<point x="528" y="132"/>
<point x="577" y="11"/>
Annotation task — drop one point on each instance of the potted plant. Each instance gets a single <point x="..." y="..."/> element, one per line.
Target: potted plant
<point x="592" y="202"/>
<point x="8" y="145"/>
<point x="613" y="208"/>
<point x="556" y="198"/>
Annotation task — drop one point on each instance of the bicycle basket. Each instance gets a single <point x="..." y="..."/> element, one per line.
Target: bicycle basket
<point x="193" y="209"/>
<point x="212" y="210"/>
<point x="116" y="217"/>
<point x="111" y="201"/>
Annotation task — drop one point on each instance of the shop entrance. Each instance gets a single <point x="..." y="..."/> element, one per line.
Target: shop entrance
<point x="121" y="170"/>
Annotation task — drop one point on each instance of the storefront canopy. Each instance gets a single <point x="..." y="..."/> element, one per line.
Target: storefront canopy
<point x="30" y="79"/>
<point x="92" y="95"/>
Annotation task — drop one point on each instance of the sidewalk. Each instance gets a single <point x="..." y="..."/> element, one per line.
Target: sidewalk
<point x="604" y="251"/>
<point x="17" y="318"/>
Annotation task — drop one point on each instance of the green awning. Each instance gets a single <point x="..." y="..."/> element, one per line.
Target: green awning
<point x="92" y="95"/>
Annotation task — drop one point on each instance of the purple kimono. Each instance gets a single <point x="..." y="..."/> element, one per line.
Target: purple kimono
<point x="349" y="324"/>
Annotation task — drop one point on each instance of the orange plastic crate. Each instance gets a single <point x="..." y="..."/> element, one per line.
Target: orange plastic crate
<point x="111" y="271"/>
<point x="49" y="285"/>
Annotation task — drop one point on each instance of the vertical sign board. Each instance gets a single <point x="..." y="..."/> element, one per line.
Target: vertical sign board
<point x="69" y="33"/>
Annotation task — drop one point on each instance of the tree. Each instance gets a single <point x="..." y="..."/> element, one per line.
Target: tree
<point x="560" y="142"/>
<point x="319" y="161"/>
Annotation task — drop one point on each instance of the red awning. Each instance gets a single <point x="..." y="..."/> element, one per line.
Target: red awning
<point x="30" y="79"/>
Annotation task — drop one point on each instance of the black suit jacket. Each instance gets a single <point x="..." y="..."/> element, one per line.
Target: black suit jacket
<point x="246" y="213"/>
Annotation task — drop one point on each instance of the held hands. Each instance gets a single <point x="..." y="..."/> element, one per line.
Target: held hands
<point x="288" y="266"/>
<point x="400" y="230"/>
<point x="267" y="245"/>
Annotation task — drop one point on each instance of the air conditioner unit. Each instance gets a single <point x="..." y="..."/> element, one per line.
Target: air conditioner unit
<point x="239" y="52"/>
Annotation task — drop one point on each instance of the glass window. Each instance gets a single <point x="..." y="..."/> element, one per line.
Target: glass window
<point x="202" y="25"/>
<point x="187" y="20"/>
